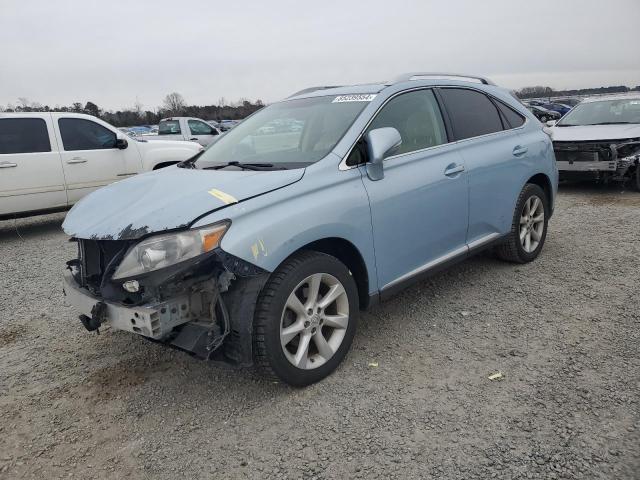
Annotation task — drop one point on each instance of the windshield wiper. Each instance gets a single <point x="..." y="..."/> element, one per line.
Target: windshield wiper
<point x="244" y="166"/>
<point x="190" y="162"/>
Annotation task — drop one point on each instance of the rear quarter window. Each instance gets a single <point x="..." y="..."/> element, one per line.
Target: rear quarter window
<point x="24" y="135"/>
<point x="513" y="118"/>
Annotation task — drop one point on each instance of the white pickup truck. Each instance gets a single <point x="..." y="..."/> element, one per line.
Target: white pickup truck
<point x="187" y="128"/>
<point x="48" y="161"/>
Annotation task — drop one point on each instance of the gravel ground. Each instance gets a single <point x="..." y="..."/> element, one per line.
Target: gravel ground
<point x="412" y="399"/>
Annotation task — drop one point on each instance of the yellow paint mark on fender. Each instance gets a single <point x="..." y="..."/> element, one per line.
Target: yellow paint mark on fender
<point x="258" y="249"/>
<point x="225" y="197"/>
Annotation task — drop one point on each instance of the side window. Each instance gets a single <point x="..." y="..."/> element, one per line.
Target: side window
<point x="416" y="115"/>
<point x="23" y="135"/>
<point x="199" y="128"/>
<point x="514" y="119"/>
<point x="169" y="127"/>
<point x="471" y="112"/>
<point x="81" y="134"/>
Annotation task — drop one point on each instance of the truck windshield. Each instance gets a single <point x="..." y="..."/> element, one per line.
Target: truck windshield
<point x="605" y="112"/>
<point x="288" y="134"/>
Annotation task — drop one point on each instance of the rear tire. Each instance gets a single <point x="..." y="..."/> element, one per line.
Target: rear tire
<point x="305" y="319"/>
<point x="636" y="178"/>
<point x="529" y="226"/>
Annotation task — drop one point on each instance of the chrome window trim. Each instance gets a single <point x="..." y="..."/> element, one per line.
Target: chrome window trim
<point x="343" y="163"/>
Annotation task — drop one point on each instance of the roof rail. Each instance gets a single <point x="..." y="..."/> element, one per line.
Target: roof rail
<point x="313" y="89"/>
<point x="405" y="77"/>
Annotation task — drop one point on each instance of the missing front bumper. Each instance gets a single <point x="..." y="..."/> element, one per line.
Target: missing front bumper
<point x="154" y="321"/>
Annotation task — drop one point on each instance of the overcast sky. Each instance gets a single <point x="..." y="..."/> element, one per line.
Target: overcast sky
<point x="113" y="52"/>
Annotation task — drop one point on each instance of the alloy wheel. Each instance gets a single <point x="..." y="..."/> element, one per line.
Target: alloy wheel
<point x="531" y="223"/>
<point x="314" y="321"/>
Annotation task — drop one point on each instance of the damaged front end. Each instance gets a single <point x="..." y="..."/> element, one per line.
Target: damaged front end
<point x="614" y="160"/>
<point x="202" y="304"/>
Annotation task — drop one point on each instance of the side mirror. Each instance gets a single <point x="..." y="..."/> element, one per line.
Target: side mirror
<point x="380" y="143"/>
<point x="121" y="143"/>
<point x="551" y="123"/>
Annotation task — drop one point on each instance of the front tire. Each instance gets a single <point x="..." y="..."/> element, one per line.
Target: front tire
<point x="305" y="319"/>
<point x="529" y="226"/>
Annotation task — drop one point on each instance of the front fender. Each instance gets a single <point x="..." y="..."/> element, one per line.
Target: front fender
<point x="326" y="203"/>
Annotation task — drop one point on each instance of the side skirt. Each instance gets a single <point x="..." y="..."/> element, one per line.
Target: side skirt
<point x="439" y="265"/>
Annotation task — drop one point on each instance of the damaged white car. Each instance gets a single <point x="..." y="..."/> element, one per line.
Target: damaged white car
<point x="600" y="139"/>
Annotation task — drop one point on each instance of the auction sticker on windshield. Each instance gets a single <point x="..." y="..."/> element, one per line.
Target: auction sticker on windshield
<point x="356" y="97"/>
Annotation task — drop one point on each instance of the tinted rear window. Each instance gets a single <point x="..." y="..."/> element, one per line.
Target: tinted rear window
<point x="513" y="118"/>
<point x="24" y="135"/>
<point x="169" y="127"/>
<point x="471" y="112"/>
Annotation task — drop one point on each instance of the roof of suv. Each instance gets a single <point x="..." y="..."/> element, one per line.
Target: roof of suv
<point x="368" y="88"/>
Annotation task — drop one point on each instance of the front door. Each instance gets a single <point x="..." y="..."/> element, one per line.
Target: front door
<point x="201" y="132"/>
<point x="419" y="209"/>
<point x="90" y="157"/>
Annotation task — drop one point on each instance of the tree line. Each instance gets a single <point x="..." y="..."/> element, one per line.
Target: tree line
<point x="174" y="104"/>
<point x="539" y="91"/>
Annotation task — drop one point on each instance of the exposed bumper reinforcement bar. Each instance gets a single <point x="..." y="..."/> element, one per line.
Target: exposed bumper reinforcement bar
<point x="153" y="321"/>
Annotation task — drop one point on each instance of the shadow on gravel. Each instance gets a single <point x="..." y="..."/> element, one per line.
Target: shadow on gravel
<point x="601" y="194"/>
<point x="30" y="227"/>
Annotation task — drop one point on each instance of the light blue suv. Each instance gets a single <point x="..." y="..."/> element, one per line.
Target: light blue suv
<point x="262" y="249"/>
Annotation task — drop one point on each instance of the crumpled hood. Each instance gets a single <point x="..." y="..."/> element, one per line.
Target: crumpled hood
<point x="595" y="132"/>
<point x="166" y="199"/>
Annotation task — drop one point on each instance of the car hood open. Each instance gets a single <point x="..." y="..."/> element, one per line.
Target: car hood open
<point x="595" y="132"/>
<point x="167" y="199"/>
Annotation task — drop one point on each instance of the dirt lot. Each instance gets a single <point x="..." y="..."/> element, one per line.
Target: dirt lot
<point x="412" y="399"/>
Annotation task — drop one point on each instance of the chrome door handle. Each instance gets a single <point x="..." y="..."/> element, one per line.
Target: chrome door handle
<point x="77" y="160"/>
<point x="193" y="139"/>
<point x="8" y="165"/>
<point x="519" y="150"/>
<point x="453" y="169"/>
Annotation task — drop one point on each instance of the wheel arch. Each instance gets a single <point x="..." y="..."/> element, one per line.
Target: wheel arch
<point x="350" y="256"/>
<point x="543" y="181"/>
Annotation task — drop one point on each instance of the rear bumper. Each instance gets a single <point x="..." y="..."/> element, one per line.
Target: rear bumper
<point x="154" y="320"/>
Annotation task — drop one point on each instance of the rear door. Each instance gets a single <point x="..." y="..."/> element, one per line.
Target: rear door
<point x="90" y="157"/>
<point x="31" y="175"/>
<point x="495" y="157"/>
<point x="171" y="129"/>
<point x="201" y="132"/>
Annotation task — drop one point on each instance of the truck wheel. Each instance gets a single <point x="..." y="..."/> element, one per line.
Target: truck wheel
<point x="529" y="227"/>
<point x="636" y="178"/>
<point x="305" y="319"/>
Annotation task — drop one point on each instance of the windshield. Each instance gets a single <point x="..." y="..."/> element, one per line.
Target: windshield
<point x="606" y="112"/>
<point x="288" y="134"/>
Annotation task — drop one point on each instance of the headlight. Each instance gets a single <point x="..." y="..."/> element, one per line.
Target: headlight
<point x="162" y="251"/>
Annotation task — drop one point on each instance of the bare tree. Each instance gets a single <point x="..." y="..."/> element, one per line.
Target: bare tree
<point x="222" y="102"/>
<point x="23" y="102"/>
<point x="138" y="108"/>
<point x="174" y="103"/>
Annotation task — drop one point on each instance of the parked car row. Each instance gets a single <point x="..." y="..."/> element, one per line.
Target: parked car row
<point x="542" y="109"/>
<point x="48" y="161"/>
